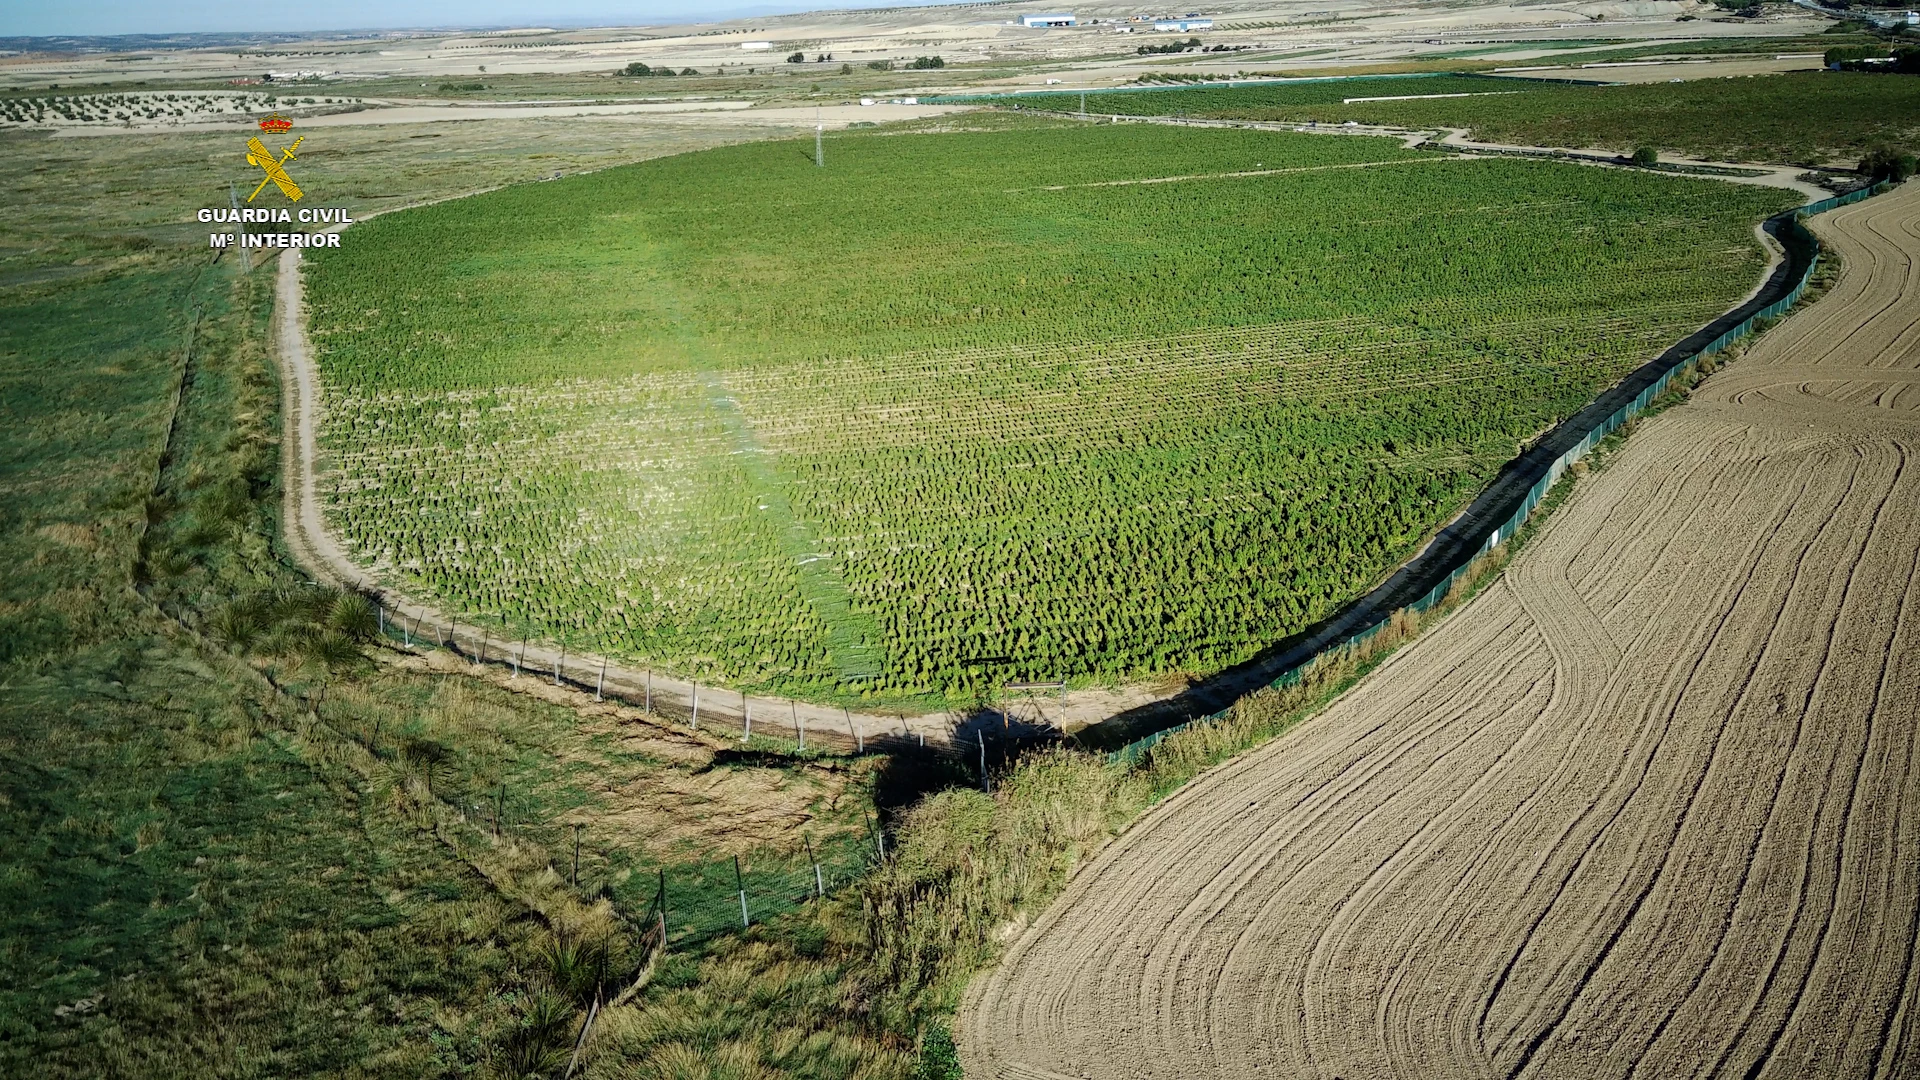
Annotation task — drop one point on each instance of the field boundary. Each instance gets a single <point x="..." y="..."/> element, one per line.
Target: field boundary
<point x="1240" y="84"/>
<point x="1505" y="504"/>
<point x="405" y="618"/>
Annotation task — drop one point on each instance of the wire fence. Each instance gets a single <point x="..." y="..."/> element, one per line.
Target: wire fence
<point x="1679" y="367"/>
<point x="728" y="894"/>
<point x="765" y="723"/>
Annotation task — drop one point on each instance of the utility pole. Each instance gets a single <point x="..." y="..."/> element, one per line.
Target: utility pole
<point x="819" y="147"/>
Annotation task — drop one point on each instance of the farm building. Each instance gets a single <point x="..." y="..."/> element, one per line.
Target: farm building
<point x="1180" y="26"/>
<point x="1044" y="21"/>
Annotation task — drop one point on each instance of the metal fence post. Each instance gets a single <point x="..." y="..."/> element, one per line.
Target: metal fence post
<point x="819" y="885"/>
<point x="741" y="883"/>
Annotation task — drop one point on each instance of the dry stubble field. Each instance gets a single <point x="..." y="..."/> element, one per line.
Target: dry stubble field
<point x="1647" y="808"/>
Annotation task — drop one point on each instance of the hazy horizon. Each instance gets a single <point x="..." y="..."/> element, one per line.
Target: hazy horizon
<point x="112" y="18"/>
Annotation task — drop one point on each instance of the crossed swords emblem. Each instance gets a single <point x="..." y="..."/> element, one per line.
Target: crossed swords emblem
<point x="258" y="154"/>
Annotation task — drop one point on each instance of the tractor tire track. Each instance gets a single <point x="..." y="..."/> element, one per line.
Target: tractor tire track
<point x="1650" y="807"/>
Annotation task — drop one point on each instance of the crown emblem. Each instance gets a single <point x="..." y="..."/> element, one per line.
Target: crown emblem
<point x="276" y="124"/>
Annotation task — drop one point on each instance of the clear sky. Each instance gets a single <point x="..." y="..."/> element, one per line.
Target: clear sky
<point x="100" y="17"/>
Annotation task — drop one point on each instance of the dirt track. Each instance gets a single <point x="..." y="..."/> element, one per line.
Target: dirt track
<point x="1649" y="807"/>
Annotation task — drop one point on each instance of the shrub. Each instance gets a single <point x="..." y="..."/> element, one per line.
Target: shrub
<point x="1170" y="47"/>
<point x="1645" y="156"/>
<point x="1888" y="163"/>
<point x="939" y="1058"/>
<point x="797" y="58"/>
<point x="637" y="68"/>
<point x="880" y="65"/>
<point x="1842" y="55"/>
<point x="923" y="63"/>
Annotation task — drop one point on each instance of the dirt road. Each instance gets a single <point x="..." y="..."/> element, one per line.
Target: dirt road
<point x="1648" y="807"/>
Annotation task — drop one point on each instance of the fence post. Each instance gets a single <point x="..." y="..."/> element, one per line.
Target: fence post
<point x="819" y="886"/>
<point x="696" y="705"/>
<point x="746" y="717"/>
<point x="558" y="661"/>
<point x="741" y="884"/>
<point x="602" y="684"/>
<point x="983" y="762"/>
<point x="649" y="690"/>
<point x="799" y="730"/>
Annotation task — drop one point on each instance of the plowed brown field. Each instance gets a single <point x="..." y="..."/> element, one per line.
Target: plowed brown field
<point x="1648" y="807"/>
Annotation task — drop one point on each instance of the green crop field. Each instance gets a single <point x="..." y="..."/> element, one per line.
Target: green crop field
<point x="1070" y="401"/>
<point x="1797" y="117"/>
<point x="1269" y="100"/>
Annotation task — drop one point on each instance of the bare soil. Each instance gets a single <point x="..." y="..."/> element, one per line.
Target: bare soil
<point x="1647" y="807"/>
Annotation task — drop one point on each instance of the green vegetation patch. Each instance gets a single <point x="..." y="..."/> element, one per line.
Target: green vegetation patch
<point x="1796" y="117"/>
<point x="1269" y="100"/>
<point x="1082" y="402"/>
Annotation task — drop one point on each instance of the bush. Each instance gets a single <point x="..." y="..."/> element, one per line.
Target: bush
<point x="1888" y="163"/>
<point x="1170" y="47"/>
<point x="880" y="65"/>
<point x="1646" y="156"/>
<point x="688" y="71"/>
<point x="797" y="58"/>
<point x="1842" y="55"/>
<point x="939" y="1058"/>
<point x="637" y="68"/>
<point x="923" y="63"/>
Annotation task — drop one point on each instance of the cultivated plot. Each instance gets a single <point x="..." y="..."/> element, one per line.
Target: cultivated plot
<point x="1646" y="808"/>
<point x="1799" y="117"/>
<point x="1082" y="403"/>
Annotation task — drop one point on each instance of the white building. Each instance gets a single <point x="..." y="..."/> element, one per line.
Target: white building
<point x="1181" y="26"/>
<point x="1043" y="21"/>
<point x="757" y="46"/>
